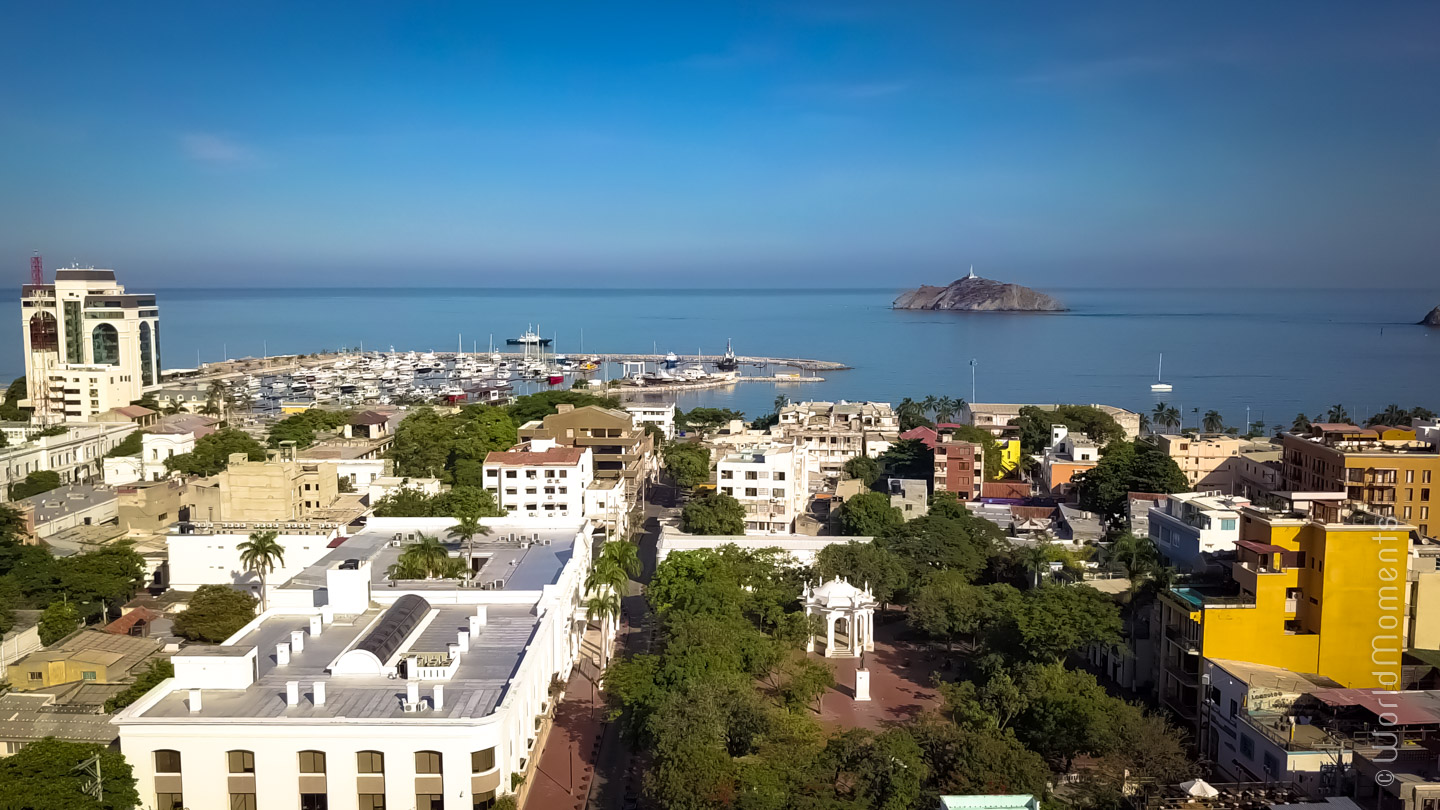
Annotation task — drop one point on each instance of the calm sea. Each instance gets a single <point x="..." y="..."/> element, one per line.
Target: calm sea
<point x="1273" y="352"/>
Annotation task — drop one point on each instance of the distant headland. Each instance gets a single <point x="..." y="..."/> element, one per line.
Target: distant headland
<point x="1433" y="319"/>
<point x="975" y="294"/>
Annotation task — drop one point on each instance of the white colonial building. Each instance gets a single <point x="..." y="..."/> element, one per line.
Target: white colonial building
<point x="661" y="416"/>
<point x="770" y="481"/>
<point x="539" y="479"/>
<point x="89" y="346"/>
<point x="832" y="433"/>
<point x="77" y="454"/>
<point x="354" y="691"/>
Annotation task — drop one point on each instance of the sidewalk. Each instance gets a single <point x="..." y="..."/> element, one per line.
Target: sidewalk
<point x="564" y="775"/>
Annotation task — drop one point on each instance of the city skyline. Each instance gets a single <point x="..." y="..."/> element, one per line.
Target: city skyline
<point x="641" y="144"/>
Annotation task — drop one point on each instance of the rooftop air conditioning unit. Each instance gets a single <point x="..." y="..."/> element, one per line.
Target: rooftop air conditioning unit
<point x="485" y="586"/>
<point x="499" y="584"/>
<point x="547" y="541"/>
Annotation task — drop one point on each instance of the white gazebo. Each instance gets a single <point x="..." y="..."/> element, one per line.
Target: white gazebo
<point x="849" y="617"/>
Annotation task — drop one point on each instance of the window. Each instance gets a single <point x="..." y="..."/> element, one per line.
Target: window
<point x="429" y="801"/>
<point x="1227" y="524"/>
<point x="427" y="762"/>
<point x="482" y="761"/>
<point x="241" y="761"/>
<point x="314" y="801"/>
<point x="167" y="761"/>
<point x="243" y="801"/>
<point x="751" y="492"/>
<point x="492" y="473"/>
<point x="1272" y="766"/>
<point x="169" y="801"/>
<point x="312" y="761"/>
<point x="1425" y="494"/>
<point x="1247" y="746"/>
<point x="1234" y="707"/>
<point x="372" y="801"/>
<point x="484" y="801"/>
<point x="36" y="676"/>
<point x="370" y="762"/>
<point x="510" y="473"/>
<point x="778" y="492"/>
<point x="727" y="474"/>
<point x="779" y="476"/>
<point x="1424" y="476"/>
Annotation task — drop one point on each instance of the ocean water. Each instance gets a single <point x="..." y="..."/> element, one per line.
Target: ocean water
<point x="1274" y="352"/>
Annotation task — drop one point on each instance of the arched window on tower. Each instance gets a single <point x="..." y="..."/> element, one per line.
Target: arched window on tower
<point x="105" y="345"/>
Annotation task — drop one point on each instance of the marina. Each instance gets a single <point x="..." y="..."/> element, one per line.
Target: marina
<point x="393" y="377"/>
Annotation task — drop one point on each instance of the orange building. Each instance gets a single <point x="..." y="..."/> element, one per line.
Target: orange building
<point x="1387" y="470"/>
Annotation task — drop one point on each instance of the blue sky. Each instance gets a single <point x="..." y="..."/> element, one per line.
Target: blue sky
<point x="695" y="144"/>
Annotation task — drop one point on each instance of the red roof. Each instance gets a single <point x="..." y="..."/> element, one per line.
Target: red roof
<point x="922" y="433"/>
<point x="336" y="542"/>
<point x="122" y="625"/>
<point x="1407" y="708"/>
<point x="555" y="456"/>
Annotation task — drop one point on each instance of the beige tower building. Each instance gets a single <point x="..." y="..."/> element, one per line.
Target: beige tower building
<point x="89" y="345"/>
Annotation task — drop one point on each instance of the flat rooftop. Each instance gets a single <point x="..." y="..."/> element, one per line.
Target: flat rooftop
<point x="521" y="558"/>
<point x="473" y="691"/>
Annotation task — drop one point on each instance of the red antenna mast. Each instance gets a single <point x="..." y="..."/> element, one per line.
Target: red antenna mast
<point x="37" y="270"/>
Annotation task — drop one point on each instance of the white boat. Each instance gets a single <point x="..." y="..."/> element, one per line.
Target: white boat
<point x="1159" y="386"/>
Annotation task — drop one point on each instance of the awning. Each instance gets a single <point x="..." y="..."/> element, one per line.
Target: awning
<point x="1408" y="708"/>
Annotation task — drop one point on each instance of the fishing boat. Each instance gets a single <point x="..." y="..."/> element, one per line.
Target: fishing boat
<point x="729" y="361"/>
<point x="1160" y="386"/>
<point x="556" y="379"/>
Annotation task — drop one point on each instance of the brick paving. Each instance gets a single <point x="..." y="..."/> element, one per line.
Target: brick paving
<point x="564" y="775"/>
<point x="900" y="682"/>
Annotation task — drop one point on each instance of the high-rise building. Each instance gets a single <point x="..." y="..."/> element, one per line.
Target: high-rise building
<point x="1390" y="471"/>
<point x="89" y="345"/>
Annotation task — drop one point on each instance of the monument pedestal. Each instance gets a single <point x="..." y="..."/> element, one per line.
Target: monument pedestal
<point x="862" y="684"/>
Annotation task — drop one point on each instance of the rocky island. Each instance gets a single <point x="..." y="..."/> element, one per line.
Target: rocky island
<point x="1433" y="319"/>
<point x="975" y="294"/>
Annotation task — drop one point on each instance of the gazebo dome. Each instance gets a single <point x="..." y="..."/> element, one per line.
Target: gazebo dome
<point x="837" y="593"/>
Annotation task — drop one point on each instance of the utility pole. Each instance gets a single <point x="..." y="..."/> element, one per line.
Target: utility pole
<point x="973" y="363"/>
<point x="95" y="786"/>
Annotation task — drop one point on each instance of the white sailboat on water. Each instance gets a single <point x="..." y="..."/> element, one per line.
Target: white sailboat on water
<point x="1160" y="386"/>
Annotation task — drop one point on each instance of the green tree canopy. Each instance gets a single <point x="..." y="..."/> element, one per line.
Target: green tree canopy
<point x="216" y="612"/>
<point x="909" y="458"/>
<point x="862" y="563"/>
<point x="1125" y="467"/>
<point x="864" y="469"/>
<point x="301" y="428"/>
<point x="703" y="419"/>
<point x="869" y="515"/>
<point x="928" y="544"/>
<point x="57" y="621"/>
<point x="452" y="448"/>
<point x="688" y="463"/>
<point x="34" y="484"/>
<point x="212" y="453"/>
<point x="44" y="776"/>
<point x="540" y="405"/>
<point x="1035" y="424"/>
<point x="129" y="446"/>
<point x="717" y="513"/>
<point x="155" y="672"/>
<point x="1053" y="621"/>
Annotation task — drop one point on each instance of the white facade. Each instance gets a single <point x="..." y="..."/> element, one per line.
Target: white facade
<point x="77" y="455"/>
<point x="661" y="416"/>
<point x="452" y="705"/>
<point x="211" y="555"/>
<point x="360" y="472"/>
<point x="804" y="549"/>
<point x="770" y="481"/>
<point x="1190" y="524"/>
<point x="541" y="480"/>
<point x="385" y="485"/>
<point x="88" y="345"/>
<point x="158" y="447"/>
<point x="607" y="508"/>
<point x="832" y="433"/>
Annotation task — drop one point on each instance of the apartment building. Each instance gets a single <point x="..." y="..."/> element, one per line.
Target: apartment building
<point x="1190" y="527"/>
<point x="432" y="694"/>
<point x="1257" y="471"/>
<point x="770" y="482"/>
<point x="89" y="346"/>
<point x="620" y="449"/>
<point x="661" y="416"/>
<point x="959" y="468"/>
<point x="1385" y="470"/>
<point x="832" y="433"/>
<point x="1306" y="593"/>
<point x="1067" y="456"/>
<point x="1205" y="459"/>
<point x="539" y="479"/>
<point x="994" y="417"/>
<point x="280" y="488"/>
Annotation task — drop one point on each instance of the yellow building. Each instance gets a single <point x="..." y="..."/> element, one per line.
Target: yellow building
<point x="90" y="656"/>
<point x="1009" y="454"/>
<point x="1387" y="469"/>
<point x="1323" y="594"/>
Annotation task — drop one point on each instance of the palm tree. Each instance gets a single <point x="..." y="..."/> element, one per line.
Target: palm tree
<point x="1214" y="422"/>
<point x="910" y="412"/>
<point x="466" y="528"/>
<point x="1392" y="415"/>
<point x="1167" y="416"/>
<point x="1144" y="423"/>
<point x="1035" y="559"/>
<point x="262" y="553"/>
<point x="1301" y="423"/>
<point x="606" y="607"/>
<point x="1337" y="413"/>
<point x="945" y="409"/>
<point x="1161" y="414"/>
<point x="929" y="403"/>
<point x="1135" y="554"/>
<point x="215" y="399"/>
<point x="426" y="558"/>
<point x="780" y="402"/>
